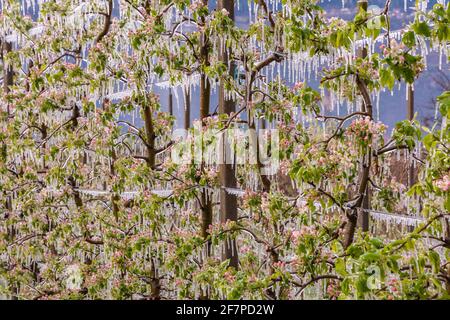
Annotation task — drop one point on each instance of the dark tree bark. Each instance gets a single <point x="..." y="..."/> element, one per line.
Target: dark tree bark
<point x="228" y="202"/>
<point x="150" y="136"/>
<point x="205" y="93"/>
<point x="366" y="160"/>
<point x="107" y="23"/>
<point x="151" y="161"/>
<point x="363" y="201"/>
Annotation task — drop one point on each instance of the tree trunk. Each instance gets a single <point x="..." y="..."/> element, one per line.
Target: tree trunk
<point x="150" y="136"/>
<point x="353" y="214"/>
<point x="228" y="202"/>
<point x="363" y="190"/>
<point x="363" y="217"/>
<point x="205" y="92"/>
<point x="151" y="159"/>
<point x="366" y="161"/>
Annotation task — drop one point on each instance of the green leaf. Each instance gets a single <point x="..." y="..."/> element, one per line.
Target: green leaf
<point x="377" y="243"/>
<point x="371" y="257"/>
<point x="422" y="29"/>
<point x="387" y="78"/>
<point x="429" y="141"/>
<point x="361" y="286"/>
<point x="435" y="260"/>
<point x="444" y="104"/>
<point x="341" y="267"/>
<point x="409" y="39"/>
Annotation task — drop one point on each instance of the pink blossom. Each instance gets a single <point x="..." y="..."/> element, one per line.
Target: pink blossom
<point x="229" y="277"/>
<point x="244" y="249"/>
<point x="443" y="183"/>
<point x="298" y="86"/>
<point x="279" y="264"/>
<point x="196" y="4"/>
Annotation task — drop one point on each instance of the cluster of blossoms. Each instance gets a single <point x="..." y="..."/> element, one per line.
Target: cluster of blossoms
<point x="98" y="48"/>
<point x="299" y="86"/>
<point x="149" y="19"/>
<point x="341" y="155"/>
<point x="334" y="164"/>
<point x="70" y="66"/>
<point x="333" y="24"/>
<point x="279" y="265"/>
<point x="212" y="121"/>
<point x="196" y="4"/>
<point x="210" y="174"/>
<point x="251" y="198"/>
<point x="364" y="129"/>
<point x="394" y="51"/>
<point x="285" y="167"/>
<point x="337" y="22"/>
<point x="225" y="12"/>
<point x="397" y="52"/>
<point x="443" y="183"/>
<point x="333" y="290"/>
<point x="54" y="95"/>
<point x="162" y="122"/>
<point x="244" y="249"/>
<point x="229" y="277"/>
<point x="393" y="286"/>
<point x="304" y="231"/>
<point x="219" y="227"/>
<point x="183" y="169"/>
<point x="370" y="70"/>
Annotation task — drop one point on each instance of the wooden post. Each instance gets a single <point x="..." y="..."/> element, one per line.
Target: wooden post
<point x="363" y="4"/>
<point x="228" y="202"/>
<point x="170" y="102"/>
<point x="410" y="114"/>
<point x="8" y="71"/>
<point x="187" y="108"/>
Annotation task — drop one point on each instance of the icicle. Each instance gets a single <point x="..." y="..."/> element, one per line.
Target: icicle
<point x="395" y="218"/>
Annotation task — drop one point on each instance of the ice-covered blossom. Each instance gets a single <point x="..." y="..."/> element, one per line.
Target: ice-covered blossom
<point x="443" y="183"/>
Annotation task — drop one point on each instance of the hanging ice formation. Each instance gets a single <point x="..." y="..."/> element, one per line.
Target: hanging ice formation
<point x="397" y="219"/>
